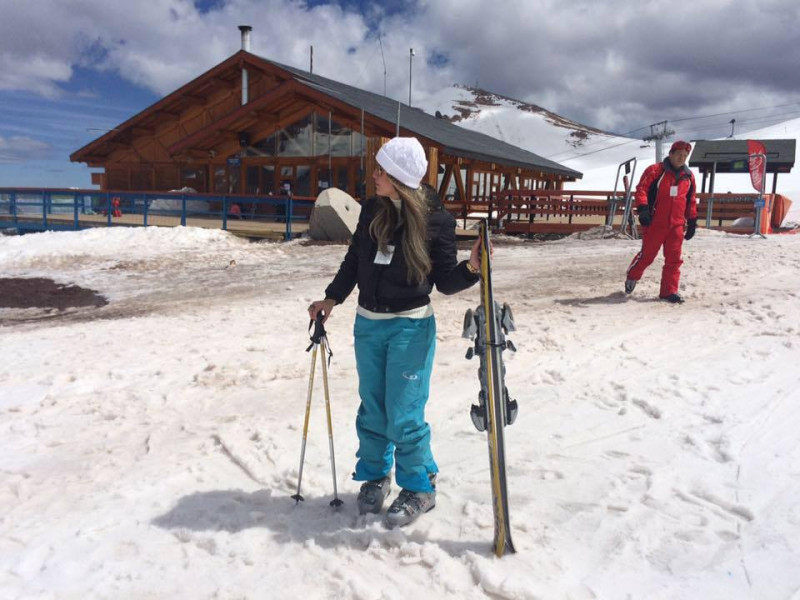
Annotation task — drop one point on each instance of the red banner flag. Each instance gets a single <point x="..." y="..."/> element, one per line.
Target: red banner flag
<point x="757" y="163"/>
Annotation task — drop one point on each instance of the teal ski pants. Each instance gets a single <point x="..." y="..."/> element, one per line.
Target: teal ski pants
<point x="394" y="358"/>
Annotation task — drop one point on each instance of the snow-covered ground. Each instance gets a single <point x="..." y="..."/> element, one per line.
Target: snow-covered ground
<point x="149" y="448"/>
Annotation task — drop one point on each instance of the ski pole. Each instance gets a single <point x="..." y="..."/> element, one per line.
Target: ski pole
<point x="318" y="339"/>
<point x="298" y="496"/>
<point x="324" y="343"/>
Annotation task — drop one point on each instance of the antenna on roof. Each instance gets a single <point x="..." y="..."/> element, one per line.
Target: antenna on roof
<point x="384" y="63"/>
<point x="311" y="69"/>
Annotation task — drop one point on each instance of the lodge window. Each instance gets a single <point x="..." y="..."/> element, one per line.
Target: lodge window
<point x="309" y="137"/>
<point x="226" y="179"/>
<point x="267" y="179"/>
<point x="340" y="138"/>
<point x="251" y="183"/>
<point x="295" y="179"/>
<point x="323" y="179"/>
<point x="194" y="178"/>
<point x="265" y="147"/>
<point x="342" y="180"/>
<point x="295" y="140"/>
<point x="220" y="179"/>
<point x="260" y="179"/>
<point x="303" y="181"/>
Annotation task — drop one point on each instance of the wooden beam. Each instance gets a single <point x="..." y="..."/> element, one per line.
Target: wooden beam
<point x="242" y="111"/>
<point x="433" y="166"/>
<point x="196" y="100"/>
<point x="448" y="175"/>
<point x="225" y="83"/>
<point x="249" y="63"/>
<point x="291" y="115"/>
<point x="460" y="186"/>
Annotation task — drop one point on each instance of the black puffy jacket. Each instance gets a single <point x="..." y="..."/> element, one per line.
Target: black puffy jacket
<point x="385" y="288"/>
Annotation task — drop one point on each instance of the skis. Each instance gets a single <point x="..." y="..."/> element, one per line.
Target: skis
<point x="487" y="326"/>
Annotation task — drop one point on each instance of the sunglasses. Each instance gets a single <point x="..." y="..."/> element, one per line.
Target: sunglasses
<point x="379" y="169"/>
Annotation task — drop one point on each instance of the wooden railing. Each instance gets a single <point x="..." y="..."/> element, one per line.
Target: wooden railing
<point x="569" y="211"/>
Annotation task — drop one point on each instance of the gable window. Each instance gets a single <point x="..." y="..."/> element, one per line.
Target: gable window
<point x="295" y="140"/>
<point x="340" y="138"/>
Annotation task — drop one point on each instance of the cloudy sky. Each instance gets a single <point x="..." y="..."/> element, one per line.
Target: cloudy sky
<point x="70" y="69"/>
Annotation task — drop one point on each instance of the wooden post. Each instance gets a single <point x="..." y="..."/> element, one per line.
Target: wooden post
<point x="448" y="175"/>
<point x="462" y="194"/>
<point x="433" y="166"/>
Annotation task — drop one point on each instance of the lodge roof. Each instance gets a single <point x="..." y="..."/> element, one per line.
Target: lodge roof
<point x="453" y="140"/>
<point x="730" y="156"/>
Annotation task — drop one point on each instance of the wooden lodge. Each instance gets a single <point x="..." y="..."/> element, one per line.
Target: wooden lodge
<point x="285" y="129"/>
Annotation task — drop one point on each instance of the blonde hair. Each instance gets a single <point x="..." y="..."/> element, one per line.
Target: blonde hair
<point x="414" y="211"/>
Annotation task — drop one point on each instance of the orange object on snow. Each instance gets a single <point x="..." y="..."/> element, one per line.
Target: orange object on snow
<point x="780" y="209"/>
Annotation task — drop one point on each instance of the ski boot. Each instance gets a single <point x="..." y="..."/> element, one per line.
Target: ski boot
<point x="408" y="506"/>
<point x="673" y="298"/>
<point x="372" y="494"/>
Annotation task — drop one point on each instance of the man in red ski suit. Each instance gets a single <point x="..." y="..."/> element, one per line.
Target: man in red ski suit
<point x="665" y="199"/>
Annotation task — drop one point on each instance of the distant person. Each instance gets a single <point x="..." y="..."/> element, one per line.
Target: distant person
<point x="403" y="246"/>
<point x="665" y="199"/>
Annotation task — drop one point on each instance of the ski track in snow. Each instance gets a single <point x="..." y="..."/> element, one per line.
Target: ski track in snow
<point x="150" y="447"/>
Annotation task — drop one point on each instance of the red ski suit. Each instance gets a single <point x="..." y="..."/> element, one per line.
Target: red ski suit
<point x="670" y="193"/>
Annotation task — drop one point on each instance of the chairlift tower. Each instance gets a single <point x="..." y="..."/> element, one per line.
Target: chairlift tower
<point x="659" y="131"/>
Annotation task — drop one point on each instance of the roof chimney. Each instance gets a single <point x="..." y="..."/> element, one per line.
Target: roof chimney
<point x="245" y="29"/>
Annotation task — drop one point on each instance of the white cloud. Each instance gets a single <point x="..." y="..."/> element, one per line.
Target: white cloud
<point x="40" y="74"/>
<point x="18" y="149"/>
<point x="611" y="64"/>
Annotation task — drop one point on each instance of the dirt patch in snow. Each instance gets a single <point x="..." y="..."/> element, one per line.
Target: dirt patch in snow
<point x="39" y="292"/>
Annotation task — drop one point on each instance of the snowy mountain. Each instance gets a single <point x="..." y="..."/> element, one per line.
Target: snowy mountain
<point x="591" y="151"/>
<point x="512" y="121"/>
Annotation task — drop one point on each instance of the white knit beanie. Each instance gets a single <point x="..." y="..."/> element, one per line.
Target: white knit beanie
<point x="404" y="159"/>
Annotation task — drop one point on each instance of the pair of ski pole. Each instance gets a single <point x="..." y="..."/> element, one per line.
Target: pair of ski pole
<point x="319" y="340"/>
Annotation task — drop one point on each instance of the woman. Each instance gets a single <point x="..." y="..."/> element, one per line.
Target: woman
<point x="403" y="246"/>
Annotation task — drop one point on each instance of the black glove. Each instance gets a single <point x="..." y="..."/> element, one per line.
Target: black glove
<point x="691" y="226"/>
<point x="644" y="215"/>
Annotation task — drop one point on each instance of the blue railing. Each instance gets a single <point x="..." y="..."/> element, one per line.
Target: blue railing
<point x="34" y="209"/>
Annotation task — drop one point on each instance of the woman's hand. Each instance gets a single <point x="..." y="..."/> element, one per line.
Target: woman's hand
<point x="326" y="306"/>
<point x="475" y="255"/>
